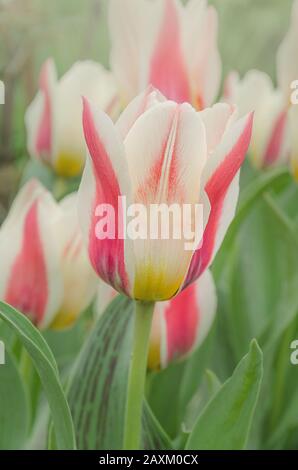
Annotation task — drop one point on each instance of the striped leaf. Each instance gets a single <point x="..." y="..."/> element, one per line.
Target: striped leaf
<point x="97" y="392"/>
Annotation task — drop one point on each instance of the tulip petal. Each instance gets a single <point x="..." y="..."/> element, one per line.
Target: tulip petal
<point x="133" y="27"/>
<point x="39" y="117"/>
<point x="146" y="100"/>
<point x="171" y="140"/>
<point x="30" y="277"/>
<point x="168" y="71"/>
<point x="79" y="279"/>
<point x="89" y="79"/>
<point x="104" y="181"/>
<point x="287" y="66"/>
<point x="181" y="324"/>
<point x="200" y="44"/>
<point x="255" y="92"/>
<point x="222" y="188"/>
<point x="274" y="151"/>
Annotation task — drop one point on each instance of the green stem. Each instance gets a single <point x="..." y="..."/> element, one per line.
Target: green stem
<point x="137" y="375"/>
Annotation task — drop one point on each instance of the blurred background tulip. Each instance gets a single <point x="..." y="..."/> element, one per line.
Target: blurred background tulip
<point x="180" y="325"/>
<point x="53" y="120"/>
<point x="45" y="271"/>
<point x="270" y="137"/>
<point x="143" y="32"/>
<point x="79" y="280"/>
<point x="287" y="66"/>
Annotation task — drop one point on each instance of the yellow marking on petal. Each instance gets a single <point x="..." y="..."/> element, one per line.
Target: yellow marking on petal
<point x="63" y="320"/>
<point x="155" y="283"/>
<point x="154" y="356"/>
<point x="294" y="166"/>
<point x="69" y="164"/>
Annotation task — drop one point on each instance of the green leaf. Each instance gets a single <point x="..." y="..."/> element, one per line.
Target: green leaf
<point x="14" y="415"/>
<point x="207" y="389"/>
<point x="181" y="378"/>
<point x="271" y="179"/>
<point x="46" y="367"/>
<point x="97" y="392"/>
<point x="225" y="421"/>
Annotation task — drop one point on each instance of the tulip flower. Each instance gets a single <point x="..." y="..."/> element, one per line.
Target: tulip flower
<point x="158" y="152"/>
<point x="287" y="65"/>
<point x="168" y="45"/>
<point x="79" y="280"/>
<point x="270" y="139"/>
<point x="53" y="120"/>
<point x="44" y="269"/>
<point x="179" y="325"/>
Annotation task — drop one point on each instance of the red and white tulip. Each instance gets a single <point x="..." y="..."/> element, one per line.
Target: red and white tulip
<point x="168" y="45"/>
<point x="160" y="152"/>
<point x="179" y="325"/>
<point x="53" y="120"/>
<point x="287" y="64"/>
<point x="270" y="136"/>
<point x="42" y="259"/>
<point x="287" y="75"/>
<point x="79" y="279"/>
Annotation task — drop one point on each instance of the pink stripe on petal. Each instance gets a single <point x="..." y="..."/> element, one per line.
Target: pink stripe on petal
<point x="164" y="173"/>
<point x="107" y="255"/>
<point x="216" y="189"/>
<point x="28" y="284"/>
<point x="168" y="71"/>
<point x="44" y="132"/>
<point x="182" y="319"/>
<point x="274" y="147"/>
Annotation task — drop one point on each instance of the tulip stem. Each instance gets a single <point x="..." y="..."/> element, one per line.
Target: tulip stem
<point x="137" y="375"/>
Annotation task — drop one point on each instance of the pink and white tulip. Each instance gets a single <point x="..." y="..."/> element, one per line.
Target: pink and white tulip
<point x="79" y="279"/>
<point x="42" y="259"/>
<point x="180" y="325"/>
<point x="160" y="152"/>
<point x="168" y="45"/>
<point x="287" y="64"/>
<point x="287" y="75"/>
<point x="270" y="136"/>
<point x="53" y="120"/>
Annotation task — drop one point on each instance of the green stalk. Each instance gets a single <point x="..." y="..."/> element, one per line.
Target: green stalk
<point x="137" y="375"/>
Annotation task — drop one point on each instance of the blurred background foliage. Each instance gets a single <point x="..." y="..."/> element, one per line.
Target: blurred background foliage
<point x="33" y="30"/>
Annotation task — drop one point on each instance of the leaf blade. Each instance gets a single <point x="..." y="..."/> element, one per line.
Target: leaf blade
<point x="46" y="367"/>
<point x="233" y="404"/>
